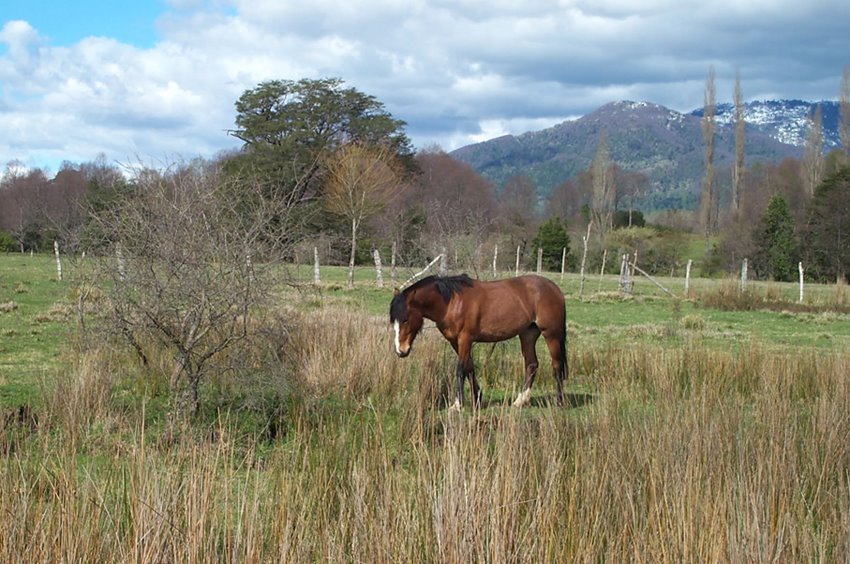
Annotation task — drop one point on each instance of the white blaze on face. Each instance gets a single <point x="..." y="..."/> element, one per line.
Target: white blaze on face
<point x="397" y="343"/>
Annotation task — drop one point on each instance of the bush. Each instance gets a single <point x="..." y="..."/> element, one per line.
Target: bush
<point x="7" y="243"/>
<point x="553" y="239"/>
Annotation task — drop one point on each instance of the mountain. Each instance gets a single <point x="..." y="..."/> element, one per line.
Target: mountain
<point x="784" y="120"/>
<point x="664" y="144"/>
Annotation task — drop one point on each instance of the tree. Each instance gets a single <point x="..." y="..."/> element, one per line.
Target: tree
<point x="553" y="239"/>
<point x="776" y="246"/>
<point x="191" y="264"/>
<point x="360" y="180"/>
<point x="740" y="129"/>
<point x="707" y="196"/>
<point x="827" y="235"/>
<point x="566" y="200"/>
<point x="457" y="201"/>
<point x="517" y="218"/>
<point x="604" y="191"/>
<point x="813" y="152"/>
<point x="844" y="114"/>
<point x="289" y="127"/>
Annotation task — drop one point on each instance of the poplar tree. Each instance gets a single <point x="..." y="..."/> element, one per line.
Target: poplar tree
<point x="813" y="153"/>
<point x="604" y="190"/>
<point x="844" y="111"/>
<point x="708" y="128"/>
<point x="740" y="126"/>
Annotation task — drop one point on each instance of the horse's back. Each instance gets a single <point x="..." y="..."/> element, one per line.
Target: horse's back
<point x="521" y="301"/>
<point x="548" y="301"/>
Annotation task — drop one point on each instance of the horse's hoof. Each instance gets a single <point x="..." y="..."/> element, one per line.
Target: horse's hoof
<point x="456" y="406"/>
<point x="522" y="399"/>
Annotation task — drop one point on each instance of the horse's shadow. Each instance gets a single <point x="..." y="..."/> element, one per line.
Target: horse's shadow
<point x="571" y="400"/>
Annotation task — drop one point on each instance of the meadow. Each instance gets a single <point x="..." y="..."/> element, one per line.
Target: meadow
<point x="713" y="428"/>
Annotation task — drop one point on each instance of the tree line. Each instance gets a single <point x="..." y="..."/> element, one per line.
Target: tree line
<point x="344" y="177"/>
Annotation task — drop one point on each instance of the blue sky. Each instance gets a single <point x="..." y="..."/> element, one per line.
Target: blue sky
<point x="156" y="81"/>
<point x="65" y="22"/>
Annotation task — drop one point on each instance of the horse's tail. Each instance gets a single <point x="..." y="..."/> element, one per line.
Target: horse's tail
<point x="563" y="345"/>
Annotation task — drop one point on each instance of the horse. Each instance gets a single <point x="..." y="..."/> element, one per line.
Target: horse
<point x="468" y="311"/>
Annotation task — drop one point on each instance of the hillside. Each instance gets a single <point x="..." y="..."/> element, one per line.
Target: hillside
<point x="664" y="144"/>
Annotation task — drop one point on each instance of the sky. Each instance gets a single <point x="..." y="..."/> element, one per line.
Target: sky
<point x="155" y="81"/>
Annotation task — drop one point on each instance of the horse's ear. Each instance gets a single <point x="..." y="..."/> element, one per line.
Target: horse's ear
<point x="396" y="291"/>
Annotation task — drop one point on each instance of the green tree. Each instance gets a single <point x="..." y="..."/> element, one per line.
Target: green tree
<point x="827" y="237"/>
<point x="289" y="127"/>
<point x="553" y="239"/>
<point x="776" y="254"/>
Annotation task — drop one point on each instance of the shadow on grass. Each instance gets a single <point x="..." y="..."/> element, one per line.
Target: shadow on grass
<point x="571" y="400"/>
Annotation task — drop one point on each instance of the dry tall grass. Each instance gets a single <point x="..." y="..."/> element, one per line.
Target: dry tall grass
<point x="688" y="455"/>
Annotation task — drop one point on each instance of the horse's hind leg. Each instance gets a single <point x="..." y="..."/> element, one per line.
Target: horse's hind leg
<point x="557" y="344"/>
<point x="459" y="375"/>
<point x="528" y="340"/>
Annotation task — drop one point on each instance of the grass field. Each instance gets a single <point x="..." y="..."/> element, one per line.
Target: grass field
<point x="693" y="433"/>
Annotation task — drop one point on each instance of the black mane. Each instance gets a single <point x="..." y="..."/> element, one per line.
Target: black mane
<point x="446" y="286"/>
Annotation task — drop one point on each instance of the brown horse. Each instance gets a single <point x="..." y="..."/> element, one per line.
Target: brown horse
<point x="469" y="311"/>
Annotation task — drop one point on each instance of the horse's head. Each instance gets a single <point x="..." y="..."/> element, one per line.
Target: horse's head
<point x="406" y="320"/>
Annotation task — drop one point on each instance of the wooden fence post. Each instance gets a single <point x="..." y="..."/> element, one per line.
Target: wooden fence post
<point x="517" y="261"/>
<point x="744" y="275"/>
<point x="379" y="280"/>
<point x="584" y="239"/>
<point x="800" y="267"/>
<point x="625" y="270"/>
<point x="539" y="260"/>
<point x="563" y="262"/>
<point x="443" y="266"/>
<point x="392" y="265"/>
<point x="602" y="270"/>
<point x="688" y="278"/>
<point x="317" y="274"/>
<point x="58" y="259"/>
<point x="495" y="256"/>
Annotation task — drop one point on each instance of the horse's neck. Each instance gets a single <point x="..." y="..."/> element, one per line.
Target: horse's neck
<point x="433" y="307"/>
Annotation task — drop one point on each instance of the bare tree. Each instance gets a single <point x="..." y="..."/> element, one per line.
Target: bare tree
<point x="813" y="153"/>
<point x="194" y="258"/>
<point x="740" y="127"/>
<point x="844" y="109"/>
<point x="709" y="125"/>
<point x="361" y="179"/>
<point x="604" y="189"/>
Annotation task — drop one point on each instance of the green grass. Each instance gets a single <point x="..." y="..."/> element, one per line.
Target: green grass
<point x="34" y="325"/>
<point x="36" y="315"/>
<point x="693" y="434"/>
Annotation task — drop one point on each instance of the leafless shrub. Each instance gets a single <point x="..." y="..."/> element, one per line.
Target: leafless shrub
<point x="190" y="257"/>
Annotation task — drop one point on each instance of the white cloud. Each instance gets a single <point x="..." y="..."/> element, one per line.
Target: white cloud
<point x="456" y="71"/>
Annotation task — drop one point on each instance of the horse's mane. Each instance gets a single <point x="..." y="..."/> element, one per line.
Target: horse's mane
<point x="446" y="286"/>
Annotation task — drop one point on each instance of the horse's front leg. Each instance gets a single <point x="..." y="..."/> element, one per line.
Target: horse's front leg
<point x="466" y="368"/>
<point x="459" y="375"/>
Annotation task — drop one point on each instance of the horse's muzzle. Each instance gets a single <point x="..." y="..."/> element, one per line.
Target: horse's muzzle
<point x="402" y="354"/>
